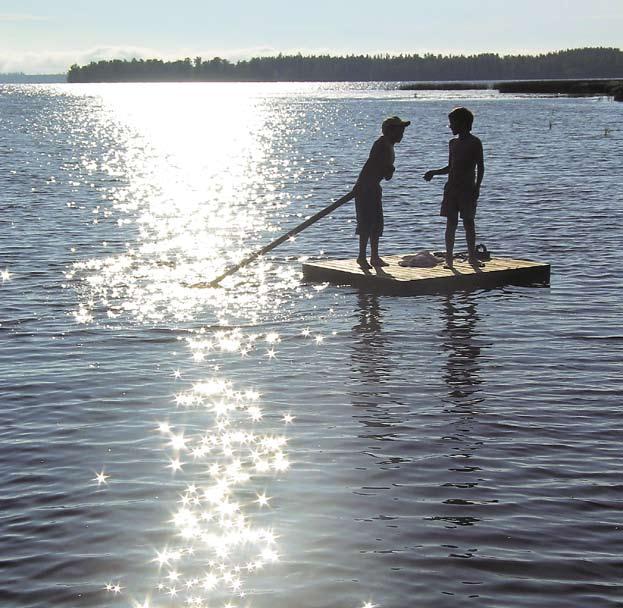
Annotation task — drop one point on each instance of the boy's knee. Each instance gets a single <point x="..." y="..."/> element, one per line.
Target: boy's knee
<point x="469" y="223"/>
<point x="452" y="223"/>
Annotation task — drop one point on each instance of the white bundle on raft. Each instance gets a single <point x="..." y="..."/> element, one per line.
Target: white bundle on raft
<point x="421" y="259"/>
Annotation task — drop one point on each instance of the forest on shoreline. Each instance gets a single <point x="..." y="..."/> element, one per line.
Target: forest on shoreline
<point x="584" y="63"/>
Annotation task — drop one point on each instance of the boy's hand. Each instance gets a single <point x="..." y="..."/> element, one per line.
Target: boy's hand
<point x="390" y="172"/>
<point x="429" y="175"/>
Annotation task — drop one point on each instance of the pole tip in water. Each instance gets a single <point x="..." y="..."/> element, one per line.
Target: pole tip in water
<point x="204" y="285"/>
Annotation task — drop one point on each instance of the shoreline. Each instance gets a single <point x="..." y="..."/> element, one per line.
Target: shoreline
<point x="574" y="87"/>
<point x="610" y="87"/>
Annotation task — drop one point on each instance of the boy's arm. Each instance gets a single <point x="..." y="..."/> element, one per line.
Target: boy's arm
<point x="480" y="165"/>
<point x="430" y="174"/>
<point x="386" y="168"/>
<point x="443" y="171"/>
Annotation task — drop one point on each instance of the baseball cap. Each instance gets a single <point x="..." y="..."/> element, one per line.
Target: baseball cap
<point x="394" y="121"/>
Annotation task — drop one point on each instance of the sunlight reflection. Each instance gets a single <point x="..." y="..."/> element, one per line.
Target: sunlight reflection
<point x="101" y="478"/>
<point x="194" y="181"/>
<point x="219" y="538"/>
<point x="214" y="524"/>
<point x="115" y="588"/>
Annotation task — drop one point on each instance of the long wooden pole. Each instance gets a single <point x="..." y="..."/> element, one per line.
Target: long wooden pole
<point x="284" y="237"/>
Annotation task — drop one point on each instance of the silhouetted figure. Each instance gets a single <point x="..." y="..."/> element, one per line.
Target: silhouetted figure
<point x="368" y="191"/>
<point x="465" y="170"/>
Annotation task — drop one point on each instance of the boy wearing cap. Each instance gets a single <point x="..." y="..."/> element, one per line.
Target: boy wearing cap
<point x="465" y="170"/>
<point x="368" y="191"/>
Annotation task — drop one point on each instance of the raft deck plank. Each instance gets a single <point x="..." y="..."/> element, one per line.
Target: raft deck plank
<point x="414" y="280"/>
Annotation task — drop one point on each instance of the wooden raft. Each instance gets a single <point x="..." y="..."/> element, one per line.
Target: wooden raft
<point x="398" y="279"/>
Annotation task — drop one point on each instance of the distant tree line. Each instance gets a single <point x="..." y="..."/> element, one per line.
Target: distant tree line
<point x="598" y="62"/>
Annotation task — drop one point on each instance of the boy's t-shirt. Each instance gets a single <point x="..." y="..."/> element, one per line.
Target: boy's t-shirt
<point x="380" y="163"/>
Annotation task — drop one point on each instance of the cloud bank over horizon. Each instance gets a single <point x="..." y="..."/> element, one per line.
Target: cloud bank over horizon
<point x="58" y="62"/>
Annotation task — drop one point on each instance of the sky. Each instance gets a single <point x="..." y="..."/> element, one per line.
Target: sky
<point x="38" y="37"/>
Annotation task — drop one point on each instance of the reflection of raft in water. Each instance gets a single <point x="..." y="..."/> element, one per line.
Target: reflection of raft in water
<point x="398" y="279"/>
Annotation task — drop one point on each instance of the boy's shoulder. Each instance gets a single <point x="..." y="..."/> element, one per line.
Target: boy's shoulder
<point x="469" y="140"/>
<point x="382" y="144"/>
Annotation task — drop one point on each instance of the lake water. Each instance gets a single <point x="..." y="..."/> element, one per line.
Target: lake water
<point x="273" y="443"/>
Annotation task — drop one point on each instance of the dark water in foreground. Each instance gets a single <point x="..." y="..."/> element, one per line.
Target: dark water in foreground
<point x="280" y="444"/>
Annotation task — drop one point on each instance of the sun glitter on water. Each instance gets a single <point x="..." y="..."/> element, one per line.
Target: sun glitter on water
<point x="195" y="189"/>
<point x="213" y="524"/>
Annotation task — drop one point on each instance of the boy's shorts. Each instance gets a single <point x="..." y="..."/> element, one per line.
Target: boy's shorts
<point x="369" y="208"/>
<point x="459" y="201"/>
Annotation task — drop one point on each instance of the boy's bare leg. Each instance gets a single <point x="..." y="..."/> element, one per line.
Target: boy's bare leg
<point x="363" y="243"/>
<point x="470" y="237"/>
<point x="375" y="259"/>
<point x="451" y="225"/>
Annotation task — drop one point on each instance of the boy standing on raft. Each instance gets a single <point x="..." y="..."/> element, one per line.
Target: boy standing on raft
<point x="465" y="171"/>
<point x="368" y="191"/>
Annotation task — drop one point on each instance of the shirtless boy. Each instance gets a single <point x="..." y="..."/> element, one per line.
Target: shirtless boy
<point x="465" y="171"/>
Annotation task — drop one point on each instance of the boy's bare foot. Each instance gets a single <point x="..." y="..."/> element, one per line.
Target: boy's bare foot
<point x="475" y="262"/>
<point x="449" y="262"/>
<point x="378" y="262"/>
<point x="363" y="263"/>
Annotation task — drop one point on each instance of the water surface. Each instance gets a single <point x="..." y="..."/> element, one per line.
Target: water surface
<point x="274" y="443"/>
